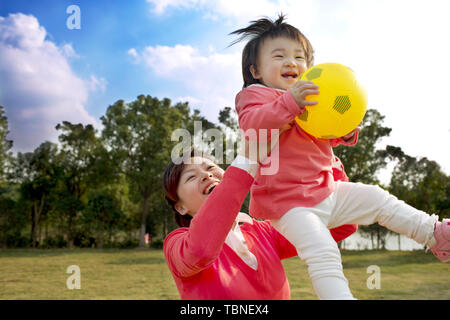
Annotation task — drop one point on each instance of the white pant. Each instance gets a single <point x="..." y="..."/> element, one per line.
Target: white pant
<point x="351" y="203"/>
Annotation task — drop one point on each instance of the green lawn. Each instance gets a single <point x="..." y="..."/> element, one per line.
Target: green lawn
<point x="142" y="274"/>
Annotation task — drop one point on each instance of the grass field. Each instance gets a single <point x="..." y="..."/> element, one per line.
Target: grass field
<point x="143" y="274"/>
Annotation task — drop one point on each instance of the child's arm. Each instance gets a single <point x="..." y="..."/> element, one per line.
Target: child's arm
<point x="257" y="109"/>
<point x="349" y="139"/>
<point x="260" y="108"/>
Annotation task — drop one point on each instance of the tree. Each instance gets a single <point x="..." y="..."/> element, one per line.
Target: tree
<point x="77" y="159"/>
<point x="138" y="134"/>
<point x="363" y="161"/>
<point x="13" y="218"/>
<point x="228" y="119"/>
<point x="5" y="146"/>
<point x="102" y="214"/>
<point x="420" y="182"/>
<point x="160" y="220"/>
<point x="36" y="173"/>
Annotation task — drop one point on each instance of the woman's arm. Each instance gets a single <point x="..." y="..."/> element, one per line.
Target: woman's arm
<point x="189" y="250"/>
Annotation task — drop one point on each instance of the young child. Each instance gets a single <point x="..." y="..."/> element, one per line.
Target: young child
<point x="302" y="199"/>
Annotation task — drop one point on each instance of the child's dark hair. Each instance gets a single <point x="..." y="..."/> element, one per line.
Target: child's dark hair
<point x="258" y="31"/>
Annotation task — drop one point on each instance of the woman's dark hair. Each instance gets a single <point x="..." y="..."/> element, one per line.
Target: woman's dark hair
<point x="171" y="179"/>
<point x="258" y="31"/>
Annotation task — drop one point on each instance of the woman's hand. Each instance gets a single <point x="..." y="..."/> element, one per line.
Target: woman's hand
<point x="258" y="151"/>
<point x="301" y="89"/>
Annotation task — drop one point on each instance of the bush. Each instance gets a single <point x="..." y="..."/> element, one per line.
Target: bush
<point x="18" y="241"/>
<point x="54" y="242"/>
<point x="128" y="244"/>
<point x="157" y="244"/>
<point x="82" y="240"/>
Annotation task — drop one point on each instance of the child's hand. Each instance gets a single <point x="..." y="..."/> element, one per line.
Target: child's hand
<point x="301" y="89"/>
<point x="350" y="136"/>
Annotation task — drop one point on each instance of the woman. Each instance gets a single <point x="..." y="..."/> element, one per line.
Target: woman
<point x="212" y="256"/>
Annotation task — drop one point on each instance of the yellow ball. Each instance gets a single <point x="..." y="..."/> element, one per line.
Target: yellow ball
<point x="342" y="101"/>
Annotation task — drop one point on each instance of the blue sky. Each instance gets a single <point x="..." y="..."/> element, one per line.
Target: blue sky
<point x="108" y="30"/>
<point x="178" y="49"/>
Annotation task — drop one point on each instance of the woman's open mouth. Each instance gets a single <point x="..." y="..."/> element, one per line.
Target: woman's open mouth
<point x="210" y="188"/>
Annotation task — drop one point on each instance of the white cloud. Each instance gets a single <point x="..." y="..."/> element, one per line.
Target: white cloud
<point x="96" y="84"/>
<point x="160" y="6"/>
<point x="192" y="100"/>
<point x="38" y="87"/>
<point x="132" y="52"/>
<point x="238" y="12"/>
<point x="212" y="80"/>
<point x="68" y="51"/>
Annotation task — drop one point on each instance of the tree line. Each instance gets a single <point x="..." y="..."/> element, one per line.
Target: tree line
<point x="104" y="189"/>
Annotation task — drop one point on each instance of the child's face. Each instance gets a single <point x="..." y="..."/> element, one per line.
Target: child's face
<point x="281" y="61"/>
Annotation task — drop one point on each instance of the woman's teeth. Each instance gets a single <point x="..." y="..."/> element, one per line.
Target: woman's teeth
<point x="210" y="188"/>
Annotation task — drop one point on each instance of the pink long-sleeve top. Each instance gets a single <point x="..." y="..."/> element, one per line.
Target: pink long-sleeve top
<point x="204" y="267"/>
<point x="305" y="171"/>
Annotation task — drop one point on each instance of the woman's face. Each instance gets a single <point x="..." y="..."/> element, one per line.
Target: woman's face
<point x="197" y="181"/>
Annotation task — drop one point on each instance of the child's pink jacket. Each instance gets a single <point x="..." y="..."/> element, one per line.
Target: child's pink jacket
<point x="305" y="174"/>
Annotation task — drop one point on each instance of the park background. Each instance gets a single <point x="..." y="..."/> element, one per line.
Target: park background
<point x="87" y="112"/>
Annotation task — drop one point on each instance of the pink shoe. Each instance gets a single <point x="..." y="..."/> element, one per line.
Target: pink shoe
<point x="442" y="235"/>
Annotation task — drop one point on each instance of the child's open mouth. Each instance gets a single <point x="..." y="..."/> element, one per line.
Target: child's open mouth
<point x="290" y="75"/>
